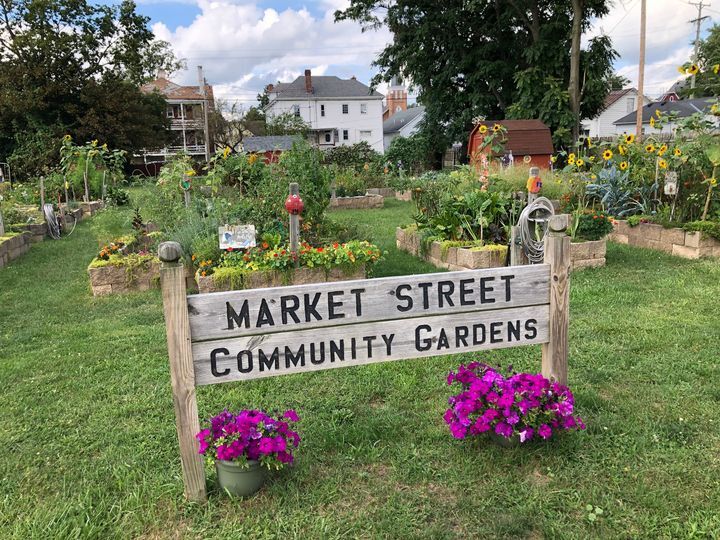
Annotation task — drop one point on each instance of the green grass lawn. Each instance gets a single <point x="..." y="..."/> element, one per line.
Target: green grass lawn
<point x="88" y="444"/>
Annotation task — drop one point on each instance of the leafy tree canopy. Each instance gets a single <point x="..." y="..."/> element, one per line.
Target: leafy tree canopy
<point x="707" y="80"/>
<point x="73" y="66"/>
<point x="492" y="58"/>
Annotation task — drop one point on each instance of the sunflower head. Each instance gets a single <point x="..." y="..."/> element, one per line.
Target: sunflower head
<point x="607" y="155"/>
<point x="652" y="122"/>
<point x="496" y="128"/>
<point x="622" y="149"/>
<point x="693" y="69"/>
<point x="629" y="139"/>
<point x="662" y="149"/>
<point x="662" y="164"/>
<point x="716" y="69"/>
<point x="482" y="129"/>
<point x="579" y="163"/>
<point x="650" y="148"/>
<point x="623" y="165"/>
<point x="677" y="152"/>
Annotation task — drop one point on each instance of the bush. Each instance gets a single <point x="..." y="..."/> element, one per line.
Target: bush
<point x="117" y="196"/>
<point x="593" y="226"/>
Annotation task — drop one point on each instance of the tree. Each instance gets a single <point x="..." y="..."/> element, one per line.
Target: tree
<point x="286" y="124"/>
<point x="64" y="64"/>
<point x="707" y="79"/>
<point x="230" y="124"/>
<point x="617" y="82"/>
<point x="492" y="58"/>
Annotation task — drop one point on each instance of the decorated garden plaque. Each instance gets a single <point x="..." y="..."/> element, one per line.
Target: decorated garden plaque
<point x="671" y="183"/>
<point x="237" y="236"/>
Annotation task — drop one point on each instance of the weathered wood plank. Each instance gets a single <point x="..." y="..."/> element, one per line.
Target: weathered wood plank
<point x="361" y="301"/>
<point x="266" y="355"/>
<point x="558" y="256"/>
<point x="182" y="377"/>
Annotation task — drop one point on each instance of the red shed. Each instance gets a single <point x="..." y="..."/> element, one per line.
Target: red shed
<point x="528" y="140"/>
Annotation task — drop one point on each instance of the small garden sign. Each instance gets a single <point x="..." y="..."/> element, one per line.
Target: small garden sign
<point x="243" y="335"/>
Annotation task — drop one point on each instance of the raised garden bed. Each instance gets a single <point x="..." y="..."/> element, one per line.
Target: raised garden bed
<point x="91" y="208"/>
<point x="450" y="255"/>
<point x="140" y="275"/>
<point x="37" y="231"/>
<point x="361" y="201"/>
<point x="383" y="191"/>
<point x="679" y="242"/>
<point x="13" y="245"/>
<point x="589" y="254"/>
<point x="261" y="279"/>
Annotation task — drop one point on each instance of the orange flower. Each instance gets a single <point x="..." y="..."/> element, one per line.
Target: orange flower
<point x="203" y="274"/>
<point x="265" y="245"/>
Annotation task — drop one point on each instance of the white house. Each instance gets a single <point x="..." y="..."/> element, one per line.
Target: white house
<point x="682" y="107"/>
<point x="402" y="124"/>
<point x="618" y="103"/>
<point x="339" y="111"/>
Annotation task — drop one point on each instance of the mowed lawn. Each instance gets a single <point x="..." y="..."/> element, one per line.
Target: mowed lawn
<point x="88" y="446"/>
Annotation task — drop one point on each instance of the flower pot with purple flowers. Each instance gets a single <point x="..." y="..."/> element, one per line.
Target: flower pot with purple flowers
<point x="512" y="407"/>
<point x="243" y="445"/>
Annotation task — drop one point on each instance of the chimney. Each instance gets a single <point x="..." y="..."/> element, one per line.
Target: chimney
<point x="269" y="88"/>
<point x="201" y="81"/>
<point x="308" y="82"/>
<point x="354" y="78"/>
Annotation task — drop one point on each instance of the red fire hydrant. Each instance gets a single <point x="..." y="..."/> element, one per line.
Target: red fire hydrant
<point x="294" y="204"/>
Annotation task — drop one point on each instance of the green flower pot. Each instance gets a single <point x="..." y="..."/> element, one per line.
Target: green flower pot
<point x="240" y="481"/>
<point x="512" y="442"/>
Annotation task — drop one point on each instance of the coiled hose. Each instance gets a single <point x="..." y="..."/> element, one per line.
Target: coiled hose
<point x="51" y="220"/>
<point x="534" y="248"/>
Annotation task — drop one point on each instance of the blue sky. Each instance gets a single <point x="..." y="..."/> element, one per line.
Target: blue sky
<point x="244" y="45"/>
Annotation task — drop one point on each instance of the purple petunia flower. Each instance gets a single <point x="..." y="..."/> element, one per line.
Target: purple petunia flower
<point x="545" y="431"/>
<point x="291" y="415"/>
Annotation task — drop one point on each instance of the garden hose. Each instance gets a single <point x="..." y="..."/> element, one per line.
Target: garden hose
<point x="51" y="220"/>
<point x="541" y="209"/>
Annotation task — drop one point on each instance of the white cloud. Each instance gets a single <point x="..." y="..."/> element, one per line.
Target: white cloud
<point x="669" y="36"/>
<point x="243" y="47"/>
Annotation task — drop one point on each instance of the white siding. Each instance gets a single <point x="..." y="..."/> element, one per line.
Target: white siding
<point x="602" y="125"/>
<point x="334" y="119"/>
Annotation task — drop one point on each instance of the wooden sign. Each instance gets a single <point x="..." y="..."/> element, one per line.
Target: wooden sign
<point x="670" y="183"/>
<point x="237" y="236"/>
<point x="244" y="335"/>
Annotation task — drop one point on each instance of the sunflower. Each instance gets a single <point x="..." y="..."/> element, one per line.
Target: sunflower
<point x="650" y="149"/>
<point x="622" y="149"/>
<point x="716" y="69"/>
<point x="712" y="182"/>
<point x="579" y="163"/>
<point x="652" y="122"/>
<point x="496" y="128"/>
<point x="658" y="113"/>
<point x="571" y="161"/>
<point x="226" y="152"/>
<point x="629" y="139"/>
<point x="607" y="155"/>
<point x="190" y="173"/>
<point x="571" y="157"/>
<point x="589" y="142"/>
<point x="623" y="165"/>
<point x="662" y="149"/>
<point x="662" y="164"/>
<point x="677" y="152"/>
<point x="693" y="69"/>
<point x="482" y="129"/>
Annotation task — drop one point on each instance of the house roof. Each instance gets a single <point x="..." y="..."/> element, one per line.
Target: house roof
<point x="268" y="143"/>
<point x="684" y="108"/>
<point x="400" y="119"/>
<point x="325" y="87"/>
<point x="524" y="137"/>
<point x="174" y="91"/>
<point x="615" y="95"/>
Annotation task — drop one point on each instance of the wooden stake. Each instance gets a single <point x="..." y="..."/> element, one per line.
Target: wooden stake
<point x="182" y="375"/>
<point x="2" y="225"/>
<point x="557" y="255"/>
<point x="42" y="194"/>
<point x="295" y="226"/>
<point x="517" y="257"/>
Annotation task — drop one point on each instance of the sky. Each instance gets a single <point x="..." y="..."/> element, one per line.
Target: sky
<point x="243" y="45"/>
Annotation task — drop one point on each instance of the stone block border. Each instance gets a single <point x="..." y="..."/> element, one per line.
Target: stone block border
<point x="273" y="278"/>
<point x="451" y="258"/>
<point x="678" y="242"/>
<point x="13" y="247"/>
<point x="590" y="254"/>
<point x="105" y="280"/>
<point x="361" y="201"/>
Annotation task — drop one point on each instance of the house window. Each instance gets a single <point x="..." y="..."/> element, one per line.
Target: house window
<point x="170" y="112"/>
<point x="345" y="108"/>
<point x="363" y="108"/>
<point x="296" y="110"/>
<point x="346" y="134"/>
<point x="322" y="110"/>
<point x="327" y="137"/>
<point x="630" y="104"/>
<point x="365" y="135"/>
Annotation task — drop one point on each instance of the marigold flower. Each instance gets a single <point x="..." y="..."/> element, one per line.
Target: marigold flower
<point x="192" y="258"/>
<point x="607" y="155"/>
<point x="203" y="273"/>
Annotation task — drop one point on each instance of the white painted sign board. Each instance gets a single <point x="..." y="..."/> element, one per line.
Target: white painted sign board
<point x="237" y="236"/>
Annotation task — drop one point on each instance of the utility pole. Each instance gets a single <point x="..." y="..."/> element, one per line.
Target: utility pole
<point x="696" y="43"/>
<point x="641" y="73"/>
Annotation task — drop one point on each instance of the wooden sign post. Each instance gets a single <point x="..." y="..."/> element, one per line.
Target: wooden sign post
<point x="256" y="333"/>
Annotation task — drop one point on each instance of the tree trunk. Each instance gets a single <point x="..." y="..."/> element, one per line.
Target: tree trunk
<point x="574" y="83"/>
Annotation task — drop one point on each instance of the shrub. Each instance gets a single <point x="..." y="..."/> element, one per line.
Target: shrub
<point x="593" y="226"/>
<point x="117" y="196"/>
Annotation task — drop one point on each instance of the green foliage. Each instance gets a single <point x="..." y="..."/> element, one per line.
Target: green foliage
<point x="618" y="196"/>
<point x="709" y="228"/>
<point x="348" y="183"/>
<point x="117" y="196"/>
<point x="355" y="157"/>
<point x="473" y="58"/>
<point x="593" y="226"/>
<point x="303" y="164"/>
<point x="409" y="154"/>
<point x="286" y="124"/>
